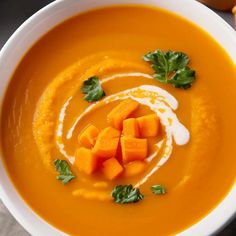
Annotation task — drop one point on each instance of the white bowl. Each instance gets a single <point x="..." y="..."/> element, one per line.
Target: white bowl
<point x="60" y="10"/>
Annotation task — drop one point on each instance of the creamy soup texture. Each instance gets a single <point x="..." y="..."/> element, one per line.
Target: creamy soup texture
<point x="44" y="112"/>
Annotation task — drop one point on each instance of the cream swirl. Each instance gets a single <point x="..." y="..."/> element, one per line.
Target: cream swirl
<point x="157" y="99"/>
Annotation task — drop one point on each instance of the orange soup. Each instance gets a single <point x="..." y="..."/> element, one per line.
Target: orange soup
<point x="121" y="121"/>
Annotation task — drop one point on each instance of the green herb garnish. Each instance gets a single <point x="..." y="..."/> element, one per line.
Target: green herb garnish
<point x="64" y="170"/>
<point x="93" y="89"/>
<point x="171" y="68"/>
<point x="126" y="194"/>
<point x="158" y="189"/>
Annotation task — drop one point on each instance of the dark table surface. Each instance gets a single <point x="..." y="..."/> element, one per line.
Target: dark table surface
<point x="12" y="14"/>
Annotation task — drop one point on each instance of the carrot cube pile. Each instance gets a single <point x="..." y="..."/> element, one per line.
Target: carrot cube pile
<point x="100" y="150"/>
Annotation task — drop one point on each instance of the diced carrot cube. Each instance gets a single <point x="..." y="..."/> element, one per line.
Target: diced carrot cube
<point x="121" y="112"/>
<point x="134" y="168"/>
<point x="112" y="168"/>
<point x="148" y="126"/>
<point x="88" y="136"/>
<point x="107" y="143"/>
<point x="86" y="161"/>
<point x="133" y="149"/>
<point x="130" y="128"/>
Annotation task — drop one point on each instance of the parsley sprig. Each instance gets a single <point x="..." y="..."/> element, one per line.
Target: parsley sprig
<point x="65" y="174"/>
<point x="171" y="68"/>
<point x="92" y="89"/>
<point x="123" y="194"/>
<point x="158" y="189"/>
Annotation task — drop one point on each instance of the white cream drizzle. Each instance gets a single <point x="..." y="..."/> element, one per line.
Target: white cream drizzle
<point x="122" y="75"/>
<point x="59" y="141"/>
<point x="163" y="105"/>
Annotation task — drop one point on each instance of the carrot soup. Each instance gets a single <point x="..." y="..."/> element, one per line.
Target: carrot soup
<point x="121" y="121"/>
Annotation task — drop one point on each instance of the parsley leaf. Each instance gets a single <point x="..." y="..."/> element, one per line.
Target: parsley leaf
<point x="183" y="78"/>
<point x="171" y="68"/>
<point x="65" y="174"/>
<point x="158" y="189"/>
<point x="93" y="89"/>
<point x="126" y="194"/>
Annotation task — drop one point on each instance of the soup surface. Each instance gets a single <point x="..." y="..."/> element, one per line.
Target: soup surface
<point x="44" y="111"/>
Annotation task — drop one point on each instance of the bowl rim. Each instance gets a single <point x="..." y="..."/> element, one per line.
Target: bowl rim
<point x="211" y="223"/>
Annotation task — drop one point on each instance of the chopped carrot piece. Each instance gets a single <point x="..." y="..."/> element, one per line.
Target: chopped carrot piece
<point x="107" y="143"/>
<point x="86" y="161"/>
<point x="88" y="136"/>
<point x="121" y="112"/>
<point x="112" y="168"/>
<point x="134" y="168"/>
<point x="130" y="128"/>
<point x="148" y="126"/>
<point x="133" y="149"/>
